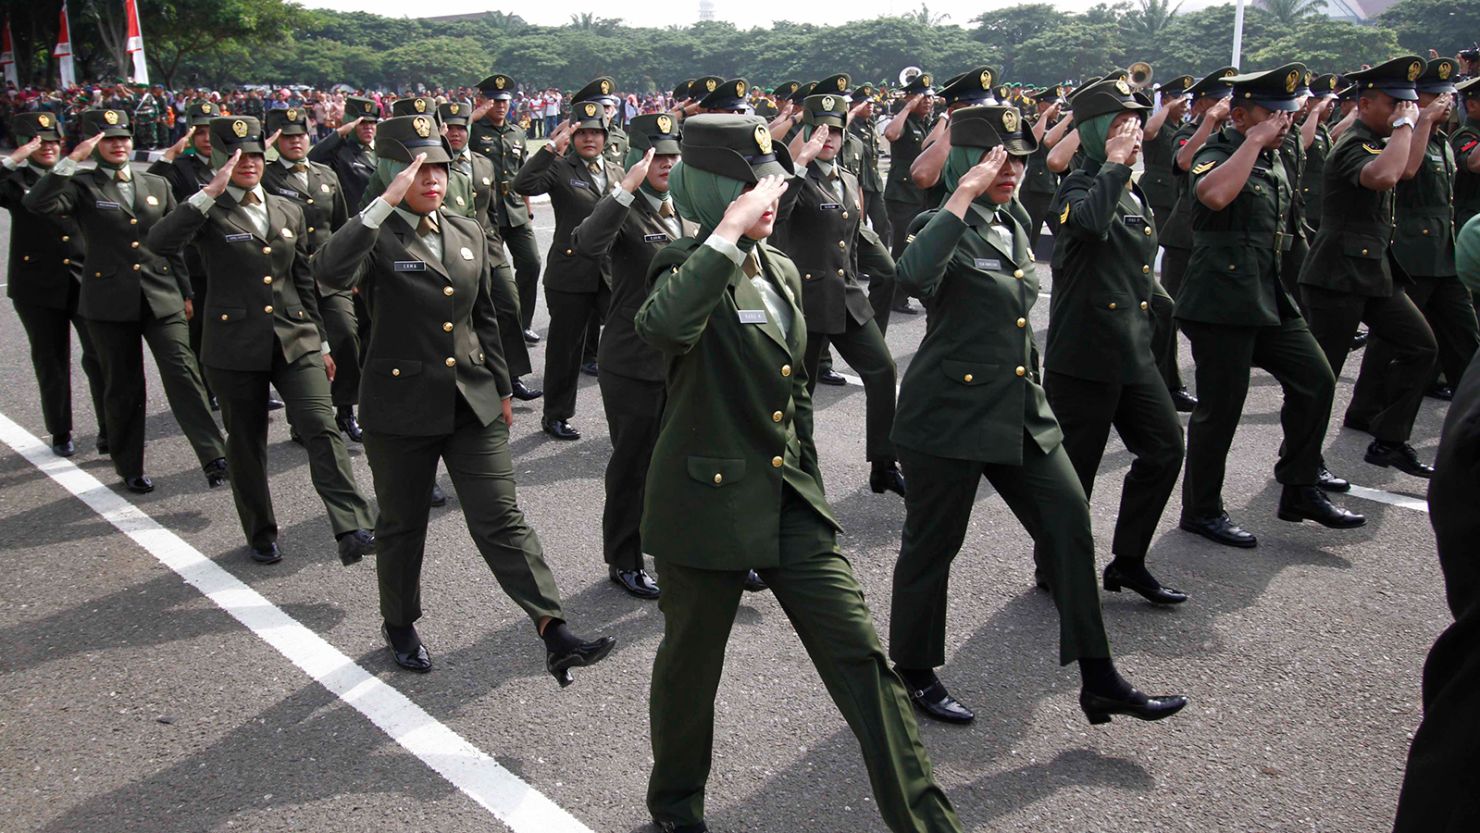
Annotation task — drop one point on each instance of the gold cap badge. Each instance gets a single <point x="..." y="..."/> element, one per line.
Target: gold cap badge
<point x="842" y="83"/>
<point x="1292" y="81"/>
<point x="205" y="108"/>
<point x="986" y="80"/>
<point x="423" y="126"/>
<point x="1010" y="120"/>
<point x="110" y="116"/>
<point x="420" y="104"/>
<point x="926" y="80"/>
<point x="1122" y="87"/>
<point x="710" y="85"/>
<point x="239" y="127"/>
<point x="292" y="114"/>
<point x="827" y="102"/>
<point x="763" y="139"/>
<point x="44" y="120"/>
<point x="1446" y="68"/>
<point x="590" y="109"/>
<point x="740" y="88"/>
<point x="368" y="107"/>
<point x="1415" y="69"/>
<point x="452" y="109"/>
<point x="606" y="87"/>
<point x="499" y="81"/>
<point x="665" y="124"/>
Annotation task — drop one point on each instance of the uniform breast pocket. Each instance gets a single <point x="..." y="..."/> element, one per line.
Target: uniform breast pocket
<point x="970" y="374"/>
<point x="297" y="314"/>
<point x="227" y="315"/>
<point x="393" y="368"/>
<point x="716" y="472"/>
<point x="1363" y="247"/>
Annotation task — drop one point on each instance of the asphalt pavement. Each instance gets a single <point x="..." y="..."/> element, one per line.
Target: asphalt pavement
<point x="132" y="701"/>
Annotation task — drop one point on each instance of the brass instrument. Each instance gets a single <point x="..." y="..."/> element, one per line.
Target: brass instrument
<point x="1140" y="75"/>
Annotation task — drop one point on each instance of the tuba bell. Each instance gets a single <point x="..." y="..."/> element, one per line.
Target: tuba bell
<point x="1140" y="75"/>
<point x="908" y="74"/>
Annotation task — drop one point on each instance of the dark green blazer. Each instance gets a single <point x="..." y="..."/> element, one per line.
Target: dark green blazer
<point x="617" y="143"/>
<point x="1099" y="318"/>
<point x="433" y="334"/>
<point x="261" y="296"/>
<point x="322" y="202"/>
<point x="898" y="187"/>
<point x="351" y="161"/>
<point x="819" y="232"/>
<point x="507" y="148"/>
<point x="1176" y="230"/>
<point x="1159" y="157"/>
<point x="46" y="252"/>
<point x="573" y="193"/>
<point x="1315" y="171"/>
<point x="187" y="174"/>
<point x="1350" y="252"/>
<point x="738" y="419"/>
<point x="1466" y="141"/>
<point x="1423" y="242"/>
<point x="121" y="273"/>
<point x="861" y="147"/>
<point x="971" y="392"/>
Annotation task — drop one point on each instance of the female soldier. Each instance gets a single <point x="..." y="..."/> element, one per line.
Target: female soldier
<point x="970" y="408"/>
<point x="435" y="387"/>
<point x="734" y="485"/>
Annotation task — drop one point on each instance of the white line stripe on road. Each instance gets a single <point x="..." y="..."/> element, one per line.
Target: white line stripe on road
<point x="512" y="801"/>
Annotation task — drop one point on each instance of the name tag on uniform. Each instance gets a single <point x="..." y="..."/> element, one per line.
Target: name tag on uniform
<point x="1135" y="220"/>
<point x="106" y="204"/>
<point x="410" y="266"/>
<point x="989" y="264"/>
<point x="752" y="316"/>
<point x="238" y="238"/>
<point x="577" y="183"/>
<point x="831" y="206"/>
<point x="287" y="192"/>
<point x="654" y="238"/>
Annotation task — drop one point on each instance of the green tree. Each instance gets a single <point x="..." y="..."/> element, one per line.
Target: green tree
<point x="1443" y="25"/>
<point x="925" y="17"/>
<point x="1150" y="18"/>
<point x="1005" y="31"/>
<point x="179" y="29"/>
<point x="436" y="62"/>
<point x="1329" y="46"/>
<point x="1290" y="12"/>
<point x="1074" y="51"/>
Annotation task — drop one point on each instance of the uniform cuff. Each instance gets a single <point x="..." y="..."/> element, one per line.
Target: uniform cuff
<point x="726" y="248"/>
<point x="202" y="201"/>
<point x="9" y="164"/>
<point x="324" y="348"/>
<point x="623" y="197"/>
<point x="64" y="167"/>
<point x="376" y="213"/>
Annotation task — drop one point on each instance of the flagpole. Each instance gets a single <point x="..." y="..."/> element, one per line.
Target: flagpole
<point x="135" y="44"/>
<point x="1238" y="32"/>
<point x="7" y="56"/>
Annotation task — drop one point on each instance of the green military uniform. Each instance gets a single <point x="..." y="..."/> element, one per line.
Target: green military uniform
<point x="1349" y="276"/>
<point x="262" y="326"/>
<point x="433" y="387"/>
<point x="1158" y="156"/>
<point x="1238" y="315"/>
<point x="506" y="145"/>
<point x="129" y="293"/>
<point x="1466" y="141"/>
<point x="860" y="155"/>
<point x="44" y="282"/>
<point x="971" y="407"/>
<point x="1100" y="370"/>
<point x="1324" y="86"/>
<point x="903" y="199"/>
<point x="1292" y="156"/>
<point x="734" y="484"/>
<point x="351" y="161"/>
<point x="1039" y="183"/>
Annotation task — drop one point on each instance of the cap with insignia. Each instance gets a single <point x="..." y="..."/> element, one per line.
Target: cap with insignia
<point x="497" y="86"/>
<point x="802" y="91"/>
<point x="1110" y="95"/>
<point x="419" y="105"/>
<point x="589" y="115"/>
<point x="681" y="90"/>
<point x="738" y="147"/>
<point x="230" y="134"/>
<point x="785" y="91"/>
<point x="28" y="126"/>
<point x="726" y="95"/>
<point x="1213" y="85"/>
<point x="1273" y="89"/>
<point x="656" y="131"/>
<point x="1437" y="77"/>
<point x="1084" y="85"/>
<point x="1396" y="77"/>
<point x="989" y="125"/>
<point x="455" y="112"/>
<point x="356" y="107"/>
<point x="835" y="84"/>
<point x="1117" y="74"/>
<point x="1047" y="95"/>
<point x="919" y="85"/>
<point x="108" y="122"/>
<point x="704" y="85"/>
<point x="828" y="109"/>
<point x="1469" y="89"/>
<point x="291" y="121"/>
<point x="863" y="92"/>
<point x="1325" y="86"/>
<point x="599" y="89"/>
<point x="1176" y="86"/>
<point x="972" y="87"/>
<point x="401" y="138"/>
<point x="200" y="112"/>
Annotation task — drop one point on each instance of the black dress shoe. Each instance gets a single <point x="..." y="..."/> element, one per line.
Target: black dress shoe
<point x="636" y="582"/>
<point x="936" y="703"/>
<point x="831" y="377"/>
<point x="1329" y="482"/>
<point x="1309" y="503"/>
<point x="525" y="393"/>
<point x="141" y="484"/>
<point x="268" y="554"/>
<point x="102" y="445"/>
<point x="754" y="583"/>
<point x="274" y="404"/>
<point x="1356" y="423"/>
<point x="1219" y="529"/>
<point x="904" y="308"/>
<point x="1358" y="341"/>
<point x="531" y="337"/>
<point x="1441" y="392"/>
<point x="560" y="429"/>
<point x="355" y="546"/>
<point x="216" y="472"/>
<point x="61" y="445"/>
<point x="670" y="827"/>
<point x="586" y="653"/>
<point x="406" y="647"/>
<point x="889" y="479"/>
<point x="1141" y="581"/>
<point x="1183" y="401"/>
<point x="1400" y="456"/>
<point x="1040" y="580"/>
<point x="439" y="497"/>
<point x="590" y="369"/>
<point x="349" y="425"/>
<point x="1099" y="708"/>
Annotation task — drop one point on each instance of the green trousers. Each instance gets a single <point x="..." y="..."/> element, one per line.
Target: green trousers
<point x="524" y="252"/>
<point x="634" y="413"/>
<point x="343" y="329"/>
<point x="120" y="352"/>
<point x="816" y="589"/>
<point x="1045" y="495"/>
<point x="305" y="390"/>
<point x="862" y="346"/>
<point x="482" y="472"/>
<point x="507" y="310"/>
<point x="49" y="332"/>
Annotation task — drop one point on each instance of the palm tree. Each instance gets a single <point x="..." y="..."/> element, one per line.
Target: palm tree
<point x="1152" y="17"/>
<point x="1290" y="12"/>
<point x="925" y="18"/>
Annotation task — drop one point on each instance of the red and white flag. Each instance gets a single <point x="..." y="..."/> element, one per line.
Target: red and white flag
<point x="135" y="46"/>
<point x="7" y="54"/>
<point x="63" y="50"/>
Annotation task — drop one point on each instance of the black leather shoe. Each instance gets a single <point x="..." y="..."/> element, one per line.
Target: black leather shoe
<point x="904" y="308"/>
<point x="754" y="583"/>
<point x="1441" y="392"/>
<point x="439" y="497"/>
<point x="140" y="485"/>
<point x="560" y="429"/>
<point x="356" y="546"/>
<point x="406" y="647"/>
<point x="216" y="473"/>
<point x="889" y="479"/>
<point x="274" y="404"/>
<point x="215" y="403"/>
<point x="1141" y="582"/>
<point x="1309" y="503"/>
<point x="670" y="827"/>
<point x="1358" y="341"/>
<point x="1329" y="482"/>
<point x="1400" y="456"/>
<point x="635" y="582"/>
<point x="1220" y="530"/>
<point x="269" y="554"/>
<point x="525" y="393"/>
<point x="590" y="369"/>
<point x="103" y="447"/>
<point x="1356" y="423"/>
<point x="831" y="377"/>
<point x="936" y="703"/>
<point x="587" y="653"/>
<point x="1099" y="708"/>
<point x="531" y="337"/>
<point x="61" y="445"/>
<point x="1040" y="580"/>
<point x="349" y="425"/>
<point x="1183" y="401"/>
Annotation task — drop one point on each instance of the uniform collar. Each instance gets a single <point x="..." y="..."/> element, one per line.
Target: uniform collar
<point x="237" y="194"/>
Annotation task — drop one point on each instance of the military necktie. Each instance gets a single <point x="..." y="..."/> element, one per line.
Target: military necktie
<point x="428" y="225"/>
<point x="594" y="167"/>
<point x="300" y="168"/>
<point x="250" y="198"/>
<point x="665" y="209"/>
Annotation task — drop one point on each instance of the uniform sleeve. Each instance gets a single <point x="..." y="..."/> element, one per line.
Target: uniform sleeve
<point x="324" y="151"/>
<point x="1465" y="144"/>
<point x="594" y="237"/>
<point x="930" y="245"/>
<point x="485" y="322"/>
<point x="340" y="213"/>
<point x="343" y="262"/>
<point x="179" y="227"/>
<point x="55" y="193"/>
<point x="1086" y="206"/>
<point x="538" y="174"/>
<point x="1349" y="158"/>
<point x="1204" y="163"/>
<point x="302" y="276"/>
<point x="677" y="310"/>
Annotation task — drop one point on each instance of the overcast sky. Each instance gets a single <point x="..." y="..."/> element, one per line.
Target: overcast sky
<point x="664" y="13"/>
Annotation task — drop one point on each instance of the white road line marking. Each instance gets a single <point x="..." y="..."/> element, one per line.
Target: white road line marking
<point x="513" y="802"/>
<point x="1401" y="501"/>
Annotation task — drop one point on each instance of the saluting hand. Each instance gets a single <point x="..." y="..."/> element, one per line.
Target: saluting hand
<point x="1438" y="109"/>
<point x="484" y="105"/>
<point x="748" y="208"/>
<point x="1219" y="111"/>
<point x="401" y="182"/>
<point x="345" y="129"/>
<point x="637" y="173"/>
<point x="1124" y="144"/>
<point x="178" y="147"/>
<point x="217" y="186"/>
<point x="24" y="152"/>
<point x="84" y="148"/>
<point x="1052" y="112"/>
<point x="976" y="181"/>
<point x="560" y="141"/>
<point x="1270" y="132"/>
<point x="857" y="108"/>
<point x="272" y="140"/>
<point x="813" y="146"/>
